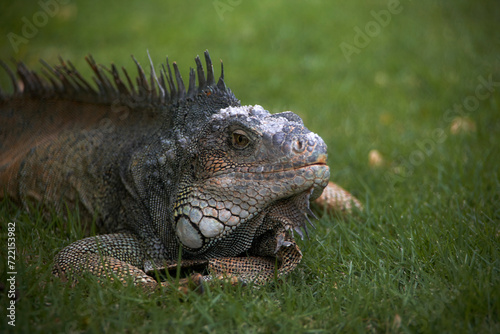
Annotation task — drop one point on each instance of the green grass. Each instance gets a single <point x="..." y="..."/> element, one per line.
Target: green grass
<point x="424" y="254"/>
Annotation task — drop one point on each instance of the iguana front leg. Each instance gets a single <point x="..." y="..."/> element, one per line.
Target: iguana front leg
<point x="255" y="269"/>
<point x="120" y="256"/>
<point x="105" y="256"/>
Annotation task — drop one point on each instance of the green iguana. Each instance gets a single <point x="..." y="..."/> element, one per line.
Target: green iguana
<point x="170" y="173"/>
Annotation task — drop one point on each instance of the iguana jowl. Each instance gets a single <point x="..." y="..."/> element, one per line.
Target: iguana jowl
<point x="165" y="168"/>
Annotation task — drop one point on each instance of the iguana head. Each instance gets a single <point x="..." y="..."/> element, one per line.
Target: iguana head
<point x="245" y="161"/>
<point x="218" y="175"/>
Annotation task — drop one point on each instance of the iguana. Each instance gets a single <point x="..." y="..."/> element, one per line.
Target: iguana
<point x="168" y="172"/>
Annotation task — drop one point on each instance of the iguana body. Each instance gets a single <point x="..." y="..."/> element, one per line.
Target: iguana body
<point x="163" y="169"/>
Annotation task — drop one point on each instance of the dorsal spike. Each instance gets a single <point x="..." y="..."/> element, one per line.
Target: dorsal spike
<point x="54" y="76"/>
<point x="101" y="89"/>
<point x="163" y="83"/>
<point x="73" y="76"/>
<point x="56" y="87"/>
<point x="171" y="85"/>
<point x="90" y="60"/>
<point x="122" y="89"/>
<point x="142" y="81"/>
<point x="101" y="80"/>
<point x="53" y="72"/>
<point x="202" y="82"/>
<point x="129" y="81"/>
<point x="106" y="83"/>
<point x="210" y="70"/>
<point x="63" y="78"/>
<point x="80" y="78"/>
<point x="152" y="88"/>
<point x="181" y="93"/>
<point x="221" y="84"/>
<point x="34" y="83"/>
<point x="40" y="83"/>
<point x="192" y="84"/>
<point x="153" y="76"/>
<point x="24" y="75"/>
<point x="12" y="76"/>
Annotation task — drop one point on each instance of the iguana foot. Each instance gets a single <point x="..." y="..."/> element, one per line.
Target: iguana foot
<point x="336" y="199"/>
<point x="186" y="285"/>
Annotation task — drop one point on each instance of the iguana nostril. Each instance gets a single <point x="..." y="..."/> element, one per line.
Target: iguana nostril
<point x="299" y="146"/>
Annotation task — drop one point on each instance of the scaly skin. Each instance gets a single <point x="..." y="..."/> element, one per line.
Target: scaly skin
<point x="163" y="170"/>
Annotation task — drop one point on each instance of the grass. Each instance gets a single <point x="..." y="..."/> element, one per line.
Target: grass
<point x="424" y="254"/>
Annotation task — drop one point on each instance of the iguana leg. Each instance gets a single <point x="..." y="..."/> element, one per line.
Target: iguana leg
<point x="259" y="270"/>
<point x="110" y="255"/>
<point x="336" y="199"/>
<point x="120" y="256"/>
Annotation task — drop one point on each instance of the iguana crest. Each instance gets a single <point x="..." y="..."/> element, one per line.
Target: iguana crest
<point x="65" y="82"/>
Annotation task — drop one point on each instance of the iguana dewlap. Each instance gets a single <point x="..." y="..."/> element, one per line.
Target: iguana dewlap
<point x="164" y="169"/>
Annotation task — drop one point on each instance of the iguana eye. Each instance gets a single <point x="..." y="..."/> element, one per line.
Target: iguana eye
<point x="240" y="139"/>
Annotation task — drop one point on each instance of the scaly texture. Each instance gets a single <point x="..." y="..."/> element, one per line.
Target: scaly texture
<point x="168" y="173"/>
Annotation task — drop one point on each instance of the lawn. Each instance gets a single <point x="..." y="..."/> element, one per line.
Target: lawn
<point x="406" y="94"/>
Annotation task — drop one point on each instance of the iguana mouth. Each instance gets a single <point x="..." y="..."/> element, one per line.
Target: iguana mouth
<point x="320" y="160"/>
<point x="273" y="201"/>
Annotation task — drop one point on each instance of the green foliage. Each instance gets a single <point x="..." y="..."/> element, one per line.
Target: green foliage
<point x="424" y="254"/>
